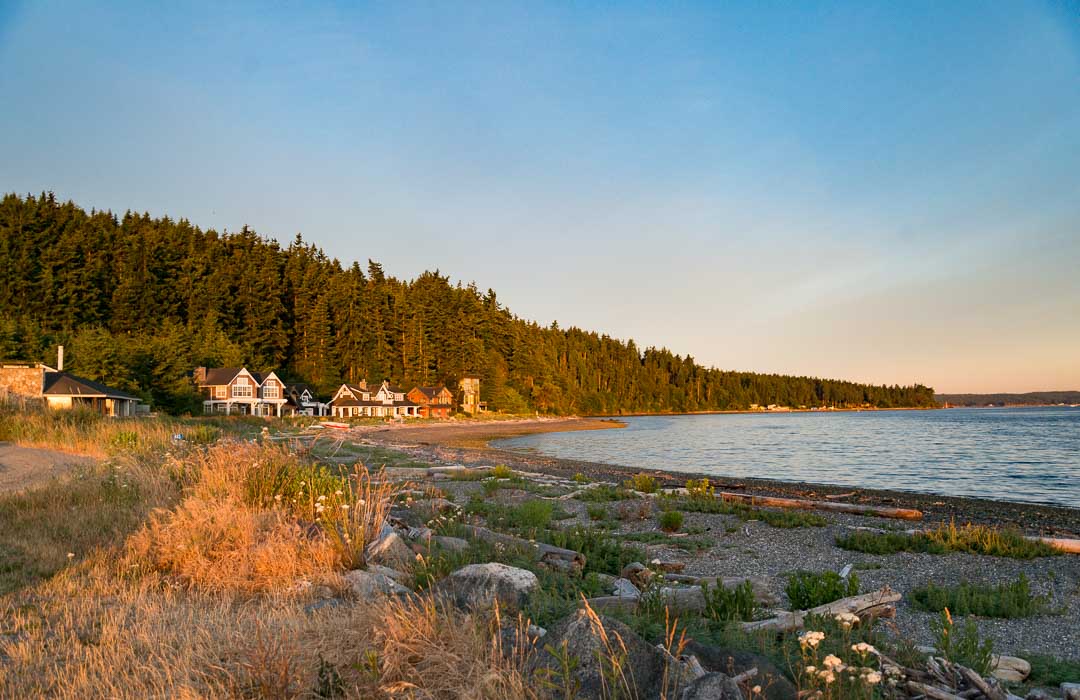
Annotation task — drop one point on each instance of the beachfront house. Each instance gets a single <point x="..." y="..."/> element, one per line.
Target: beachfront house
<point x="434" y="401"/>
<point x="236" y="390"/>
<point x="359" y="400"/>
<point x="301" y="401"/>
<point x="64" y="391"/>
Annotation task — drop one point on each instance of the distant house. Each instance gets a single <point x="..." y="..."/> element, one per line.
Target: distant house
<point x="434" y="401"/>
<point x="359" y="400"/>
<point x="63" y="390"/>
<point x="300" y="401"/>
<point x="235" y="390"/>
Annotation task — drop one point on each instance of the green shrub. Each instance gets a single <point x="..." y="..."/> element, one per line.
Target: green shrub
<point x="786" y="519"/>
<point x="1050" y="671"/>
<point x="962" y="646"/>
<point x="645" y="483"/>
<point x="501" y="471"/>
<point x="1005" y="600"/>
<point x="671" y="521"/>
<point x="974" y="539"/>
<point x="123" y="441"/>
<point x="603" y="553"/>
<point x="596" y="512"/>
<point x="700" y="489"/>
<point x="808" y="589"/>
<point x="726" y="604"/>
<point x="580" y="478"/>
<point x="604" y="493"/>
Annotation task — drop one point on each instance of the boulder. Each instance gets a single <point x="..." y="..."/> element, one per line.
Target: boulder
<point x="419" y="534"/>
<point x="637" y="574"/>
<point x="478" y="586"/>
<point x="1070" y="691"/>
<point x="1011" y="669"/>
<point x="735" y="661"/>
<point x="390" y="550"/>
<point x="368" y="585"/>
<point x="399" y="576"/>
<point x="576" y="635"/>
<point x="712" y="686"/>
<point x="451" y="544"/>
<point x="624" y="589"/>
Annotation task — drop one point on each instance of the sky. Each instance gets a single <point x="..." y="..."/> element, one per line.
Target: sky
<point x="885" y="192"/>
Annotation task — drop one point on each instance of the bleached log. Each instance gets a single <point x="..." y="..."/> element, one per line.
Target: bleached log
<point x="866" y="606"/>
<point x="804" y="504"/>
<point x="931" y="691"/>
<point x="979" y="683"/>
<point x="1067" y="545"/>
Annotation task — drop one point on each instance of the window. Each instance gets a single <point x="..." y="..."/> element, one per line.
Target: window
<point x="271" y="391"/>
<point x="220" y="392"/>
<point x="241" y="387"/>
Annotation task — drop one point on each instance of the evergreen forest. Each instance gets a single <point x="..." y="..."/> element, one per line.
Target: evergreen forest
<point x="138" y="302"/>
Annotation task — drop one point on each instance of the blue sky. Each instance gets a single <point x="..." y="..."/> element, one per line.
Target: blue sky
<point x="886" y="192"/>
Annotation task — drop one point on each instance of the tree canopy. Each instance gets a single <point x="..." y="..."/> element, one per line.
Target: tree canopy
<point x="140" y="301"/>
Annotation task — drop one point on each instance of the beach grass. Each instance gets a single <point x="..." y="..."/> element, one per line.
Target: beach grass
<point x="948" y="538"/>
<point x="1006" y="600"/>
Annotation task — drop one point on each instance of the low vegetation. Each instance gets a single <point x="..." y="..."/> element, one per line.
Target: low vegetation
<point x="809" y="589"/>
<point x="962" y="645"/>
<point x="1006" y="600"/>
<point x="671" y="521"/>
<point x="973" y="539"/>
<point x="643" y="483"/>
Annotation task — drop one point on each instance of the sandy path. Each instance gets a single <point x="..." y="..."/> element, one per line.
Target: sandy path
<point x="24" y="467"/>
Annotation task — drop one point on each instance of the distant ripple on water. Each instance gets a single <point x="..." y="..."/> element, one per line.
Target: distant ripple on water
<point x="1015" y="454"/>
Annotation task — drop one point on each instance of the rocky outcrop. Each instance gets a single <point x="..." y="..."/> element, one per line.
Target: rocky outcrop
<point x="478" y="586"/>
<point x="390" y="550"/>
<point x="368" y="585"/>
<point x="712" y="686"/>
<point x="735" y="661"/>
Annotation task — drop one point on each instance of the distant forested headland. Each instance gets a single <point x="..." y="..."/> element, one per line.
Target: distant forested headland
<point x="139" y="302"/>
<point x="1034" y="398"/>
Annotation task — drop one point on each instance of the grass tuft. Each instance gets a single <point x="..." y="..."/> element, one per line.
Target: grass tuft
<point x="973" y="539"/>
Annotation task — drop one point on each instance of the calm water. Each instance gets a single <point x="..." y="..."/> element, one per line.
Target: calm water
<point x="1013" y="454"/>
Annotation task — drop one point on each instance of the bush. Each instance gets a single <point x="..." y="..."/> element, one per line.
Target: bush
<point x="974" y="539"/>
<point x="501" y="471"/>
<point x="962" y="646"/>
<point x="1005" y="600"/>
<point x="671" y="521"/>
<point x="580" y="478"/>
<point x="603" y="554"/>
<point x="596" y="512"/>
<point x="786" y="519"/>
<point x="726" y="604"/>
<point x="645" y="483"/>
<point x="808" y="589"/>
<point x="604" y="493"/>
<point x="700" y="489"/>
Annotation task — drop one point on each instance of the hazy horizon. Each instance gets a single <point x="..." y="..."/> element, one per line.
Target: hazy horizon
<point x="870" y="192"/>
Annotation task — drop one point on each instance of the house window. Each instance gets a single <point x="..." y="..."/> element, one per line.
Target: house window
<point x="220" y="392"/>
<point x="241" y="387"/>
<point x="270" y="391"/>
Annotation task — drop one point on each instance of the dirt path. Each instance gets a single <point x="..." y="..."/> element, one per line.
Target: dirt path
<point x="24" y="467"/>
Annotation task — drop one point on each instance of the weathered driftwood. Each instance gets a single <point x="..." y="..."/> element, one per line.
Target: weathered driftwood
<point x="868" y="605"/>
<point x="931" y="691"/>
<point x="545" y="553"/>
<point x="803" y="504"/>
<point x="1064" y="544"/>
<point x="978" y="683"/>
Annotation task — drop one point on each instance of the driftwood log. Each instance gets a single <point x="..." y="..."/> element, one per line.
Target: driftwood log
<point x="880" y="603"/>
<point x="804" y="504"/>
<point x="556" y="557"/>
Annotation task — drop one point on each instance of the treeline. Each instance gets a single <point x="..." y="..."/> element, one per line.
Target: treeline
<point x="1034" y="398"/>
<point x="139" y="301"/>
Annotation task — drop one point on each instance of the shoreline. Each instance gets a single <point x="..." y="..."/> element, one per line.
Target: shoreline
<point x="469" y="444"/>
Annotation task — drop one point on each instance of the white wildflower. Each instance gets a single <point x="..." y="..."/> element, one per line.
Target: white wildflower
<point x="811" y="639"/>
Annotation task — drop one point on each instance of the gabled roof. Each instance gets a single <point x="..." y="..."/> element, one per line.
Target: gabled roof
<point x="64" y="384"/>
<point x="431" y="391"/>
<point x="216" y="376"/>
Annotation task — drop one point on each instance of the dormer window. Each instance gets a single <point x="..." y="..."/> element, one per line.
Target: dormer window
<point x="242" y="387"/>
<point x="270" y="390"/>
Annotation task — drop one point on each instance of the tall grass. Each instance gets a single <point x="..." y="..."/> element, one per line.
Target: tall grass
<point x="973" y="539"/>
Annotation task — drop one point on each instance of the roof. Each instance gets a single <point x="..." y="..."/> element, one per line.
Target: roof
<point x="221" y="375"/>
<point x="64" y="384"/>
<point x="431" y="391"/>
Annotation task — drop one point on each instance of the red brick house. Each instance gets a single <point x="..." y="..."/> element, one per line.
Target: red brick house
<point x="434" y="401"/>
<point x="232" y="390"/>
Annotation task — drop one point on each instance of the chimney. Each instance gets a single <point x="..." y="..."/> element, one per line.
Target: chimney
<point x="60" y="358"/>
<point x="199" y="376"/>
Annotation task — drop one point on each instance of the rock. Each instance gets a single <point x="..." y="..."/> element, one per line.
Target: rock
<point x="668" y="566"/>
<point x="606" y="580"/>
<point x="712" y="686"/>
<point x="478" y="586"/>
<point x="1070" y="691"/>
<point x="1010" y="669"/>
<point x="642" y="664"/>
<point x="451" y="544"/>
<point x="637" y="574"/>
<point x="390" y="550"/>
<point x="624" y="589"/>
<point x="325" y="603"/>
<point x="734" y="661"/>
<point x="399" y="576"/>
<point x="369" y="586"/>
<point x="1038" y="694"/>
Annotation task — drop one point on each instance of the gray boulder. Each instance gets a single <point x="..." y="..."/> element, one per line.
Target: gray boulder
<point x="368" y="585"/>
<point x="399" y="576"/>
<point x="451" y="544"/>
<point x="390" y="550"/>
<point x="576" y="635"/>
<point x="624" y="589"/>
<point x="638" y="574"/>
<point x="1070" y="691"/>
<point x="712" y="686"/>
<point x="478" y="586"/>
